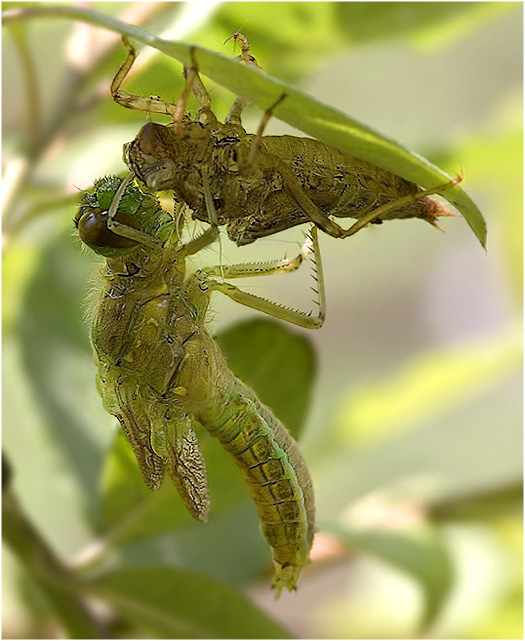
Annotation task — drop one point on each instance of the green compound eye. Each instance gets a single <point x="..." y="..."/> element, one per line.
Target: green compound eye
<point x="91" y="223"/>
<point x="135" y="210"/>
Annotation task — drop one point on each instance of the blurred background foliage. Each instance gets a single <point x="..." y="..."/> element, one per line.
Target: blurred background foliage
<point x="412" y="429"/>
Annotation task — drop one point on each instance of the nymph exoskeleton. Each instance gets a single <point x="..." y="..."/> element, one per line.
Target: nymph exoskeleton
<point x="164" y="377"/>
<point x="261" y="185"/>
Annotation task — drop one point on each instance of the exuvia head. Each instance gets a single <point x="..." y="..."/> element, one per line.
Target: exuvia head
<point x="142" y="157"/>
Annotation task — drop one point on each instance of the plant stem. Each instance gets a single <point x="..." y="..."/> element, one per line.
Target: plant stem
<point x="60" y="587"/>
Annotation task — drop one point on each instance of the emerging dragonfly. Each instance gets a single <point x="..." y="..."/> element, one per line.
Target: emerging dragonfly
<point x="260" y="185"/>
<point x="164" y="377"/>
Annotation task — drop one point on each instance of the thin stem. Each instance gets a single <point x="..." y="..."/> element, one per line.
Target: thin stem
<point x="33" y="115"/>
<point x="58" y="584"/>
<point x="76" y="76"/>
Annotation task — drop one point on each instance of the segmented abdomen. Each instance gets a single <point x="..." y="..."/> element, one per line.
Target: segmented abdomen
<point x="162" y="374"/>
<point x="277" y="478"/>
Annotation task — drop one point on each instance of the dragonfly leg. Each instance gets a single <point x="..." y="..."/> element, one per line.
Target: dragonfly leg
<point x="234" y="117"/>
<point x="125" y="230"/>
<point x="204" y="240"/>
<point x="154" y="104"/>
<point x="193" y="84"/>
<point x="251" y="160"/>
<point x="297" y="317"/>
<point x="245" y="55"/>
<point x="267" y="268"/>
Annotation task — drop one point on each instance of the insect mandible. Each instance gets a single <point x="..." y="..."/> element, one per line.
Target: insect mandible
<point x="259" y="185"/>
<point x="161" y="374"/>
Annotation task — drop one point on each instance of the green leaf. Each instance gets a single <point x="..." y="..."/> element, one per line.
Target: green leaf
<point x="415" y="548"/>
<point x="506" y="180"/>
<point x="130" y="510"/>
<point x="171" y="603"/>
<point x="277" y="363"/>
<point x="229" y="548"/>
<point x="501" y="503"/>
<point x="430" y="384"/>
<point x="463" y="454"/>
<point x="421" y="22"/>
<point x="58" y="361"/>
<point x="298" y="109"/>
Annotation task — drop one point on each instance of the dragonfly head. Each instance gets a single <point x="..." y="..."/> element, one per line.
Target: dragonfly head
<point x="134" y="210"/>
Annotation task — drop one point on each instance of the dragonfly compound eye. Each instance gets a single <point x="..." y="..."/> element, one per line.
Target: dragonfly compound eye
<point x="93" y="231"/>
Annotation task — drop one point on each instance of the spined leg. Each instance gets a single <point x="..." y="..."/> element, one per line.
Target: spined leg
<point x="296" y="317"/>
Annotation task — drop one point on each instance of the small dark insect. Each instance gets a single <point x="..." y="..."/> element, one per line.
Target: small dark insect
<point x="259" y="185"/>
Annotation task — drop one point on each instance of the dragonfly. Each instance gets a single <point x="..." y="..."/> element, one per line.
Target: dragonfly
<point x="164" y="377"/>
